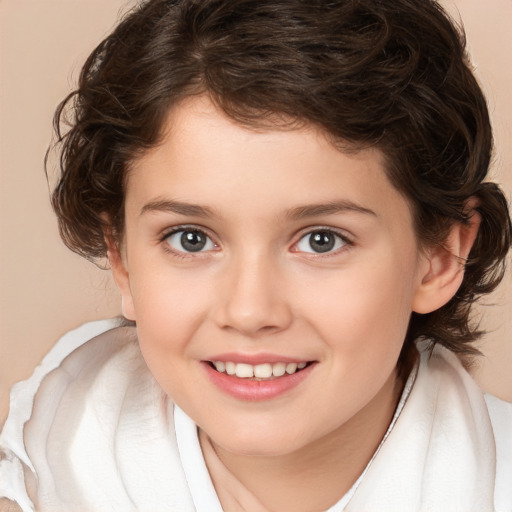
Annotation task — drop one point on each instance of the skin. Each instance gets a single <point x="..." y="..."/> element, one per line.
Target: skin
<point x="259" y="287"/>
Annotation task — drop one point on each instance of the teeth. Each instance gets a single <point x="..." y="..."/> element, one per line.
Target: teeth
<point x="244" y="371"/>
<point x="278" y="369"/>
<point x="291" y="368"/>
<point x="259" y="371"/>
<point x="230" y="368"/>
<point x="263" y="371"/>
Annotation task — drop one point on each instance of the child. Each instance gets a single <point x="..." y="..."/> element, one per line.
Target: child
<point x="291" y="196"/>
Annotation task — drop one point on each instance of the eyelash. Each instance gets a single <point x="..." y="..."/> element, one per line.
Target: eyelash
<point x="183" y="254"/>
<point x="342" y="236"/>
<point x="347" y="242"/>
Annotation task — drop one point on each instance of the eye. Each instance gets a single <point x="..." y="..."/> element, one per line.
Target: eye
<point x="321" y="241"/>
<point x="189" y="240"/>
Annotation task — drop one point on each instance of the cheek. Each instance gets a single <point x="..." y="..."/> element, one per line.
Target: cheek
<point x="169" y="310"/>
<point x="164" y="329"/>
<point x="376" y="300"/>
<point x="363" y="317"/>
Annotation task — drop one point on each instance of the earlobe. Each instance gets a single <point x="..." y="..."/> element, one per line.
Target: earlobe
<point x="443" y="271"/>
<point x="121" y="278"/>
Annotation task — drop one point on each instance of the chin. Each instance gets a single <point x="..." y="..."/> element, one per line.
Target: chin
<point x="259" y="444"/>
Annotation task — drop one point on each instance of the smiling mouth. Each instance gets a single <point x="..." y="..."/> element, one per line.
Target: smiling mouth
<point x="265" y="371"/>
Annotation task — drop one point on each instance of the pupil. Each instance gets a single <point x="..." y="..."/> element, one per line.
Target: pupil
<point x="321" y="242"/>
<point x="193" y="241"/>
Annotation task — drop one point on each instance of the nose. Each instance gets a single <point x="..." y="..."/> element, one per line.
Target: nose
<point x="253" y="299"/>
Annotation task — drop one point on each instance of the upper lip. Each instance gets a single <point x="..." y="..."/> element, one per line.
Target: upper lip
<point x="255" y="359"/>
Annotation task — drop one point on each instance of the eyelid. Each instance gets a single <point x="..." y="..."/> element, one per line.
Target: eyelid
<point x="342" y="234"/>
<point x="166" y="233"/>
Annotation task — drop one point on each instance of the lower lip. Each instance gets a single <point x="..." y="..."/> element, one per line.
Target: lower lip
<point x="256" y="390"/>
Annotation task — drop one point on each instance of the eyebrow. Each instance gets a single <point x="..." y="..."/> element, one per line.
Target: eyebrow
<point x="296" y="213"/>
<point x="330" y="208"/>
<point x="170" y="206"/>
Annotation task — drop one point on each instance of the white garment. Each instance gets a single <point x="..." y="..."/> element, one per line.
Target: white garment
<point x="100" y="435"/>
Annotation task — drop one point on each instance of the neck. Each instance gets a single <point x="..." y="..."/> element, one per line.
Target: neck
<point x="319" y="474"/>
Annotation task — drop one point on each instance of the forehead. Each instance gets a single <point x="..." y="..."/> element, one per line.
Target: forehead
<point x="206" y="158"/>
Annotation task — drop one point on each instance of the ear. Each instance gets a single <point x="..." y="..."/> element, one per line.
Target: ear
<point x="121" y="277"/>
<point x="443" y="271"/>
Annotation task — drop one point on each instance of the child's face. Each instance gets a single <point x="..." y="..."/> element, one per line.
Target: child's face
<point x="267" y="247"/>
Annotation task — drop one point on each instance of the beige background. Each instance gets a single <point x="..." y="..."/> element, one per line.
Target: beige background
<point x="44" y="289"/>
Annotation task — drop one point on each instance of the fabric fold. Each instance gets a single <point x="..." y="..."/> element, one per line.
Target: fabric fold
<point x="440" y="456"/>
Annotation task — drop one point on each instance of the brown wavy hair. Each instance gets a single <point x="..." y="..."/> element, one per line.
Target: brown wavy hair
<point x="390" y="74"/>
